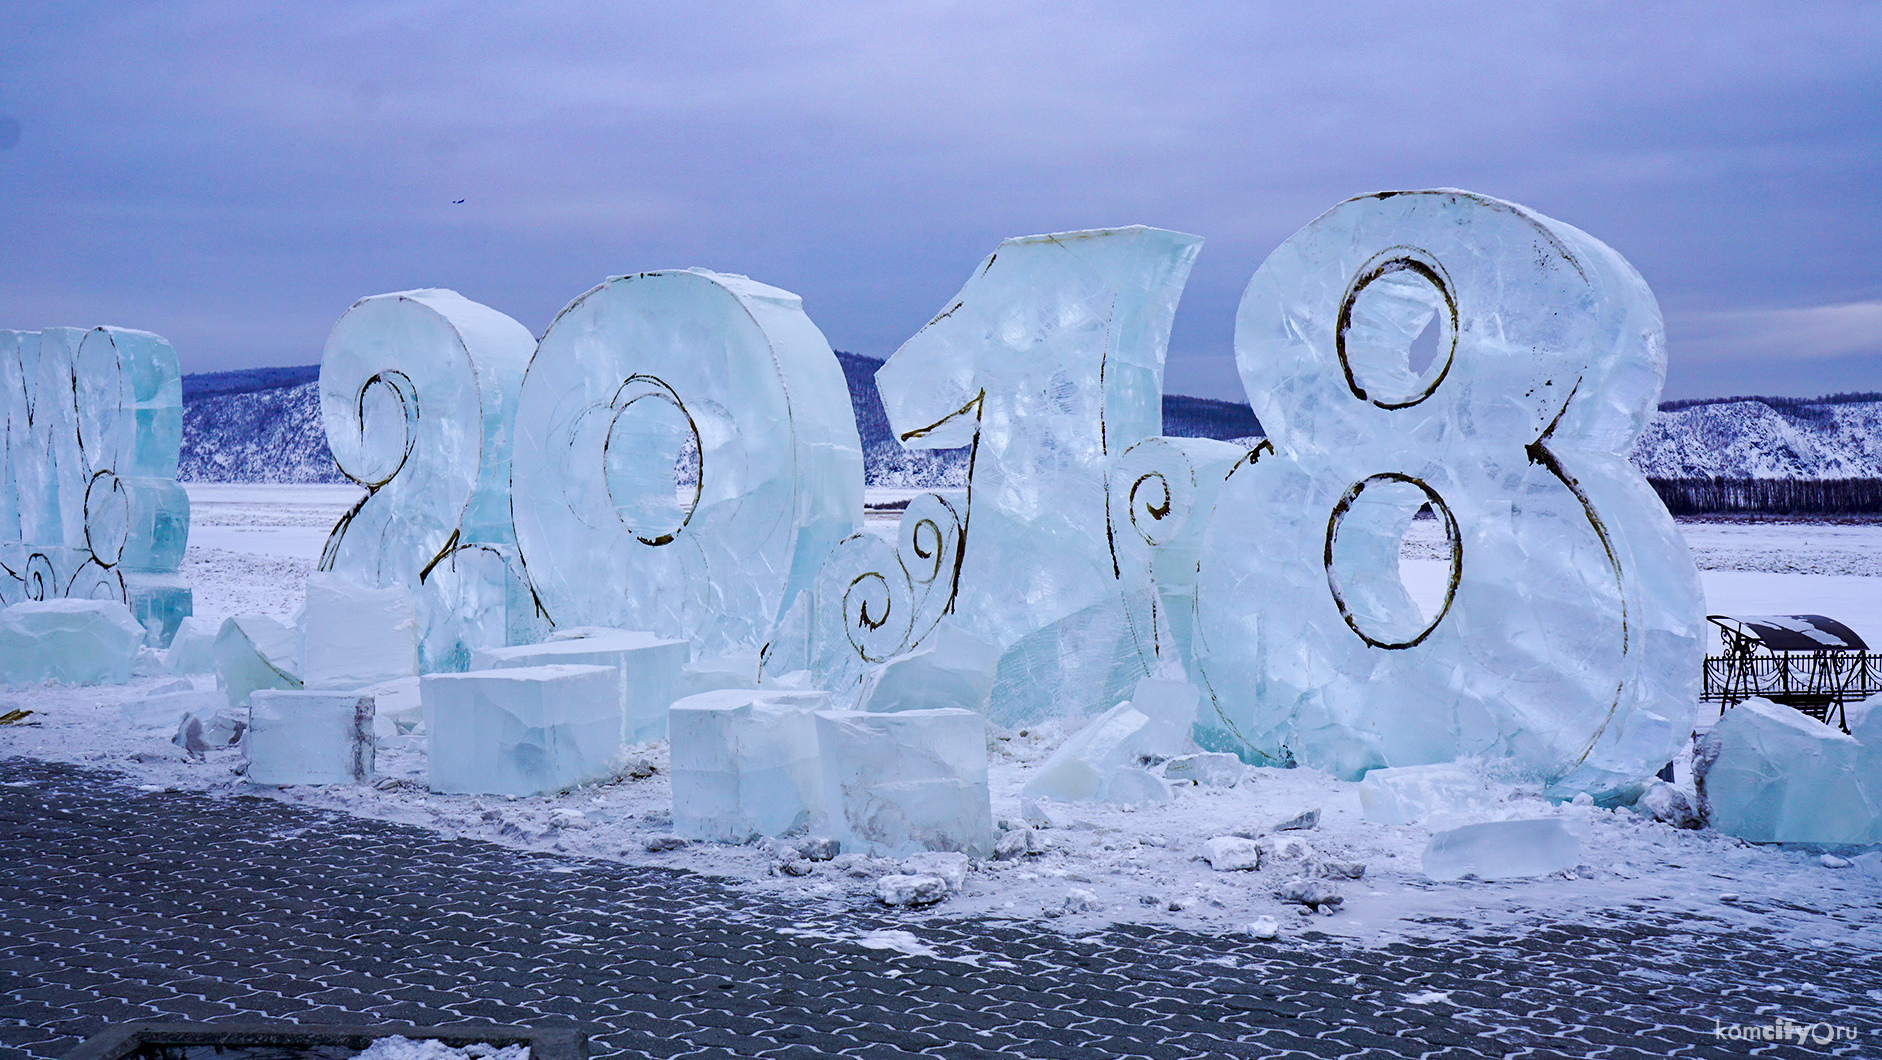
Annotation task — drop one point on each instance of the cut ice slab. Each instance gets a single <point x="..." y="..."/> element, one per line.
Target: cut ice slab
<point x="255" y="651"/>
<point x="1770" y="774"/>
<point x="1153" y="724"/>
<point x="647" y="670"/>
<point x="745" y="763"/>
<point x="913" y="780"/>
<point x="70" y="641"/>
<point x="1502" y="850"/>
<point x="309" y="737"/>
<point x="192" y="649"/>
<point x="522" y="731"/>
<point x="355" y="635"/>
<point x="1407" y="794"/>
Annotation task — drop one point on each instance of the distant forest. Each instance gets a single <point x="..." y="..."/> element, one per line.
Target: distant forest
<point x="1770" y="496"/>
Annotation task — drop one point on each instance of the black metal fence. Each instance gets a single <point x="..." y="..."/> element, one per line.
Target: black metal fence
<point x="1819" y="683"/>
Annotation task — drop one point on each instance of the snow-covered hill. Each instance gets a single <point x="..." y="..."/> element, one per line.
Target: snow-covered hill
<point x="265" y="434"/>
<point x="263" y="425"/>
<point x="1752" y="439"/>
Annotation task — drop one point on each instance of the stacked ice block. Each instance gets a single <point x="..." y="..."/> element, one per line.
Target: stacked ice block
<point x="647" y="671"/>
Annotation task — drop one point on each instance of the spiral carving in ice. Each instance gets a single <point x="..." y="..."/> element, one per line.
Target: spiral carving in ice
<point x="417" y="395"/>
<point x="1050" y="363"/>
<point x="1452" y="356"/>
<point x="686" y="457"/>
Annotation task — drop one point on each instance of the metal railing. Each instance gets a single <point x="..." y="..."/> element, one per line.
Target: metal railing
<point x="1818" y="683"/>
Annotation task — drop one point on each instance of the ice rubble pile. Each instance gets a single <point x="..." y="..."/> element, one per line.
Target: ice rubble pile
<point x="1768" y="773"/>
<point x="89" y="504"/>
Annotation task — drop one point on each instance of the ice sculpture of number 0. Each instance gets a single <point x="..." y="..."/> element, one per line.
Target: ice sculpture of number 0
<point x="1558" y="631"/>
<point x="686" y="455"/>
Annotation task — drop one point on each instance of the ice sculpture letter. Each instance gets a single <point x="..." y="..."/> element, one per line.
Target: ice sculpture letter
<point x="89" y="504"/>
<point x="1560" y="628"/>
<point x="418" y="394"/>
<point x="686" y="456"/>
<point x="1050" y="364"/>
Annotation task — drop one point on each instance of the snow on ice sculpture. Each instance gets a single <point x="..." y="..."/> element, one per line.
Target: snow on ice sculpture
<point x="89" y="504"/>
<point x="1050" y="364"/>
<point x="1448" y="351"/>
<point x="418" y="394"/>
<point x="686" y="456"/>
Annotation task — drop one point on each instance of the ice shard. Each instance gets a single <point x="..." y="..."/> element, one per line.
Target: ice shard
<point x="1443" y="551"/>
<point x="1502" y="850"/>
<point x="255" y="651"/>
<point x="418" y="397"/>
<point x="1109" y="752"/>
<point x="686" y="457"/>
<point x="1050" y="364"/>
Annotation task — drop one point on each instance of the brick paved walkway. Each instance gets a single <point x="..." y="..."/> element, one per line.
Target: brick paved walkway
<point x="117" y="905"/>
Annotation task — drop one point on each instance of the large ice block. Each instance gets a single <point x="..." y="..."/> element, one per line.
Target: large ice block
<point x="686" y="456"/>
<point x="894" y="784"/>
<point x="1770" y="774"/>
<point x="1447" y="353"/>
<point x="952" y="669"/>
<point x="68" y="641"/>
<point x="1408" y="794"/>
<point x="522" y="731"/>
<point x="1153" y="725"/>
<point x="745" y="763"/>
<point x="1502" y="850"/>
<point x="255" y="651"/>
<point x="1050" y="363"/>
<point x="309" y="737"/>
<point x="418" y="398"/>
<point x="357" y="636"/>
<point x="647" y="671"/>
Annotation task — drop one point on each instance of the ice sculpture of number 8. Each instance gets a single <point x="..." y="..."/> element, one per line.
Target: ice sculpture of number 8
<point x="1558" y="633"/>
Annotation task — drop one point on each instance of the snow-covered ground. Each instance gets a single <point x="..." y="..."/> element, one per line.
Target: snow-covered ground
<point x="251" y="545"/>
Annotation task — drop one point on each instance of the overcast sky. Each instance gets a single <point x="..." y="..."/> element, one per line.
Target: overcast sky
<point x="233" y="176"/>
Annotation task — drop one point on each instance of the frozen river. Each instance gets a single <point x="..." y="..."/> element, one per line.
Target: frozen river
<point x="1746" y="568"/>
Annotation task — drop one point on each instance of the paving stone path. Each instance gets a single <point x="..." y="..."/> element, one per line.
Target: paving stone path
<point x="120" y="905"/>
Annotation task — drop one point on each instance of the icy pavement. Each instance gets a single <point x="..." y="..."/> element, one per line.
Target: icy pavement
<point x="122" y="905"/>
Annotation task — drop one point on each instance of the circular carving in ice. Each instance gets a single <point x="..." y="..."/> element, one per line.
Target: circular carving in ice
<point x="686" y="456"/>
<point x="1446" y="349"/>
